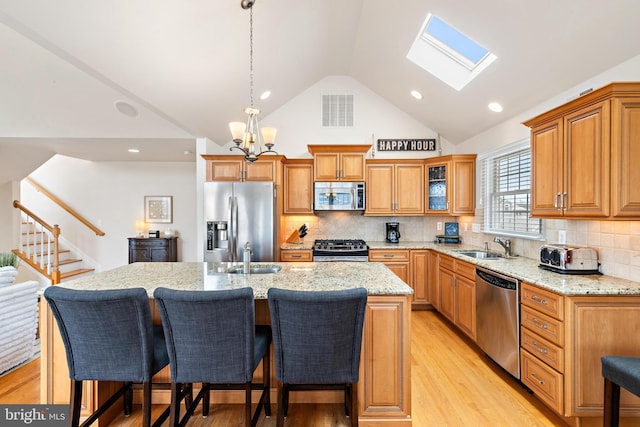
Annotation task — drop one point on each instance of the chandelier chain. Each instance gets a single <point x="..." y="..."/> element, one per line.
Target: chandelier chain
<point x="251" y="56"/>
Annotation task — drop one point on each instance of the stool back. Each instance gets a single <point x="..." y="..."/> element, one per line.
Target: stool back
<point x="108" y="335"/>
<point x="317" y="336"/>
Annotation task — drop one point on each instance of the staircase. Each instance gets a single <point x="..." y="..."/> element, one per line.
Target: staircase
<point x="40" y="244"/>
<point x="36" y="251"/>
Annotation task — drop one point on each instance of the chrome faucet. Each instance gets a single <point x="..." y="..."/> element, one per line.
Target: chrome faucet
<point x="246" y="258"/>
<point x="506" y="245"/>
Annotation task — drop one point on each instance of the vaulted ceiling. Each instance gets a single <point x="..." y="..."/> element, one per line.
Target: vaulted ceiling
<point x="183" y="65"/>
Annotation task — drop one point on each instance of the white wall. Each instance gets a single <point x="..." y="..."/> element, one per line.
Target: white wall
<point x="111" y="196"/>
<point x="6" y="218"/>
<point x="299" y="121"/>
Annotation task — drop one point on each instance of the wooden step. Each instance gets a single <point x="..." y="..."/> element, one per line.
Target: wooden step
<point x="60" y="251"/>
<point x="68" y="261"/>
<point x="73" y="273"/>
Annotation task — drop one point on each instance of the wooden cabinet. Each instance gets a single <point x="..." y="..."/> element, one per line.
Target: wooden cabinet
<point x="583" y="156"/>
<point x="625" y="154"/>
<point x="432" y="280"/>
<point x="570" y="164"/>
<point x="298" y="186"/>
<point x="338" y="162"/>
<point x="234" y="168"/>
<point x="418" y="278"/>
<point x="412" y="266"/>
<point x="562" y="340"/>
<point x="450" y="185"/>
<point x="396" y="259"/>
<point x="394" y="187"/>
<point x="457" y="293"/>
<point x="542" y="344"/>
<point x="296" y="255"/>
<point x="163" y="249"/>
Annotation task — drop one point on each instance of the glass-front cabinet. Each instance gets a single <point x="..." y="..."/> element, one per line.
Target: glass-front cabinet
<point x="437" y="187"/>
<point x="450" y="186"/>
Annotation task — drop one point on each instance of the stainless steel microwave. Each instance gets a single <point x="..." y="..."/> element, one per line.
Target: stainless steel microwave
<point x="338" y="196"/>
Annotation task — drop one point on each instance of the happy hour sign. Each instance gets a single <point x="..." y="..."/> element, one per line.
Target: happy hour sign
<point x="406" y="144"/>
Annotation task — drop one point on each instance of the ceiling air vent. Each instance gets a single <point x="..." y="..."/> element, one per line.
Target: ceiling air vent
<point x="337" y="111"/>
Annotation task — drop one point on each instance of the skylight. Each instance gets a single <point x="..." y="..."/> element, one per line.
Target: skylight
<point x="445" y="52"/>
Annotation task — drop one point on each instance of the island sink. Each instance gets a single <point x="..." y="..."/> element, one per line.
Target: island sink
<point x="257" y="269"/>
<point x="481" y="254"/>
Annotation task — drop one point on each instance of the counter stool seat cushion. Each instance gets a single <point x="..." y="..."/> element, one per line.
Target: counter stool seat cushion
<point x="618" y="371"/>
<point x="624" y="371"/>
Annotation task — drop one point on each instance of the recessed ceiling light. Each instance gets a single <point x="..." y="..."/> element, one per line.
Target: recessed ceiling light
<point x="416" y="94"/>
<point x="133" y="150"/>
<point x="187" y="152"/>
<point x="495" y="107"/>
<point x="125" y="108"/>
<point x="265" y="95"/>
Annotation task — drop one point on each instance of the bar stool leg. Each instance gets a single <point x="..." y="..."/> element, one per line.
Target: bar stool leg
<point x="611" y="416"/>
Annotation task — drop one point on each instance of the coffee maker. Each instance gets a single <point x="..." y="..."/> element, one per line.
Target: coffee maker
<point x="393" y="232"/>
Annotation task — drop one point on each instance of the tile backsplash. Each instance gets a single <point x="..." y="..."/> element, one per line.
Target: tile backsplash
<point x="617" y="242"/>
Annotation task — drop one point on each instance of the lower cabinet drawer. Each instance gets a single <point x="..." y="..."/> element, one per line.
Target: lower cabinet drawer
<point x="544" y="350"/>
<point x="395" y="255"/>
<point x="296" y="255"/>
<point x="545" y="383"/>
<point x="543" y="325"/>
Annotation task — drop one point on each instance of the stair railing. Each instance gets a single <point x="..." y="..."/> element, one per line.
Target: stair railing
<point x="39" y="244"/>
<point x="64" y="206"/>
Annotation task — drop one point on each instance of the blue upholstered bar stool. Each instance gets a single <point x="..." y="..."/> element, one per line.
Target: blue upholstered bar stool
<point x="109" y="336"/>
<point x="618" y="371"/>
<point x="212" y="339"/>
<point x="317" y="339"/>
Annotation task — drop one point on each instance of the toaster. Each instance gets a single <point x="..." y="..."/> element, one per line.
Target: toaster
<point x="569" y="260"/>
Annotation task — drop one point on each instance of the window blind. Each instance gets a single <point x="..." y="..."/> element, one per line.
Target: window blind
<point x="508" y="195"/>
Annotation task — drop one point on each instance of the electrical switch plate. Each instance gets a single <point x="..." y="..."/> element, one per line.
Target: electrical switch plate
<point x="562" y="237"/>
<point x="439" y="226"/>
<point x="475" y="228"/>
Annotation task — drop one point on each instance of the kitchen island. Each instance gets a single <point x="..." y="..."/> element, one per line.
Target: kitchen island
<point x="384" y="389"/>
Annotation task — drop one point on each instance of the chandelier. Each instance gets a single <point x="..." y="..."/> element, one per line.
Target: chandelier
<point x="247" y="135"/>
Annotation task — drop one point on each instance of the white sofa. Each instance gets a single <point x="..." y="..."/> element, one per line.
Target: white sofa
<point x="18" y="323"/>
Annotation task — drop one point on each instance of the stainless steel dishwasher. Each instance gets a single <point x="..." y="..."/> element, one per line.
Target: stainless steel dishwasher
<point x="498" y="318"/>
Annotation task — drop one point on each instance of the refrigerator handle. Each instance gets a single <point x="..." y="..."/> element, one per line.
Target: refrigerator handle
<point x="231" y="247"/>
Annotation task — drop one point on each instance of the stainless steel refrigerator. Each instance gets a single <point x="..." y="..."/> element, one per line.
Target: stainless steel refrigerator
<point x="236" y="213"/>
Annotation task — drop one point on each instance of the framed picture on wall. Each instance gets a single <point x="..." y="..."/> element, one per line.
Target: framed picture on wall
<point x="158" y="209"/>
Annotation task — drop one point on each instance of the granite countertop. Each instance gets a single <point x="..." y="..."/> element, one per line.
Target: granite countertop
<point x="524" y="269"/>
<point x="527" y="270"/>
<point x="374" y="276"/>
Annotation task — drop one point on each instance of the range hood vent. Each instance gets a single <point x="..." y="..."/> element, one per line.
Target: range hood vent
<point x="337" y="111"/>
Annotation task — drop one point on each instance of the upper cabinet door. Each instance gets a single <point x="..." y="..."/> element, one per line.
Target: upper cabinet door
<point x="586" y="158"/>
<point x="298" y="187"/>
<point x="409" y="190"/>
<point x="380" y="195"/>
<point x="352" y="166"/>
<point x="326" y="166"/>
<point x="464" y="185"/>
<point x="224" y="170"/>
<point x="547" y="169"/>
<point x="625" y="154"/>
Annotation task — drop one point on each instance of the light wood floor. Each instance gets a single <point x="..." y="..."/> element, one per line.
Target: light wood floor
<point x="453" y="384"/>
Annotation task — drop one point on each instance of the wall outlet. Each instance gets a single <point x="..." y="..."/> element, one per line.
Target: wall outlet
<point x="475" y="228"/>
<point x="562" y="237"/>
<point x="439" y="226"/>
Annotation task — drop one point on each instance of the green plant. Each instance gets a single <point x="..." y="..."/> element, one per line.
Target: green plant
<point x="8" y="259"/>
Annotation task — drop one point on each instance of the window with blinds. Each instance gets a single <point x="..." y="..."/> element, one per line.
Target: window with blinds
<point x="507" y="179"/>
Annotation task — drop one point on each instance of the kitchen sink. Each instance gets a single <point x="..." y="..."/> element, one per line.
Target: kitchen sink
<point x="256" y="269"/>
<point x="481" y="254"/>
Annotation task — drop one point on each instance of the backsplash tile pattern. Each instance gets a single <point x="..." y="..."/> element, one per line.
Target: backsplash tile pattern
<point x="617" y="242"/>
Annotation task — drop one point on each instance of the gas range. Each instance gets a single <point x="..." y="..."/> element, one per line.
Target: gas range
<point x="340" y="250"/>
